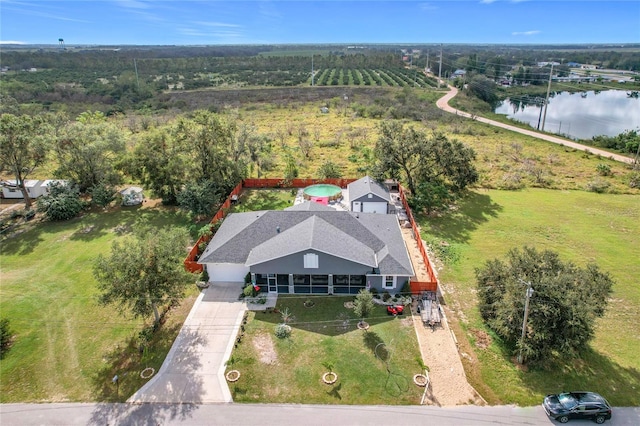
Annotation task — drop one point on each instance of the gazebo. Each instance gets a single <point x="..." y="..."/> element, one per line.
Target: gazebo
<point x="132" y="196"/>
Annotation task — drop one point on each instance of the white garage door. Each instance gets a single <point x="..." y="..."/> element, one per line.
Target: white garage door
<point x="374" y="208"/>
<point x="226" y="272"/>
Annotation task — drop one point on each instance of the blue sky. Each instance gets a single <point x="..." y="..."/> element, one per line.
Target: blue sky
<point x="291" y="22"/>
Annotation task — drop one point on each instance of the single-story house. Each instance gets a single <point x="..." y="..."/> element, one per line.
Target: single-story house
<point x="310" y="248"/>
<point x="132" y="196"/>
<point x="368" y="196"/>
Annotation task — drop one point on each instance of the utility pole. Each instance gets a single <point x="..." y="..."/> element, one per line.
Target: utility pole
<point x="528" y="295"/>
<point x="427" y="69"/>
<point x="135" y="66"/>
<point x="440" y="68"/>
<point x="546" y="102"/>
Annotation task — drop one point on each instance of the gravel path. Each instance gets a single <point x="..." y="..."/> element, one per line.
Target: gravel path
<point x="449" y="385"/>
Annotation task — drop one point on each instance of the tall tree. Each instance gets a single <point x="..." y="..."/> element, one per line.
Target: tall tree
<point x="424" y="163"/>
<point x="88" y="151"/>
<point x="160" y="165"/>
<point x="23" y="147"/>
<point x="399" y="151"/>
<point x="144" y="272"/>
<point x="210" y="143"/>
<point x="565" y="303"/>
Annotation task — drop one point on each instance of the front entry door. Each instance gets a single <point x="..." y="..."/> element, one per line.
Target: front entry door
<point x="272" y="283"/>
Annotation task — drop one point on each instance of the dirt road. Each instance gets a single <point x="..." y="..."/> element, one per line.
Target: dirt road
<point x="443" y="104"/>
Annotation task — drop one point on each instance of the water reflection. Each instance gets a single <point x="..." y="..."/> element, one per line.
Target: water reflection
<point x="578" y="115"/>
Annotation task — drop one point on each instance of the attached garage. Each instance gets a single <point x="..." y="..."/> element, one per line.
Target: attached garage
<point x="227" y="272"/>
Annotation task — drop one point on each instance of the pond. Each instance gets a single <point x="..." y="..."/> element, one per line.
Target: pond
<point x="577" y="115"/>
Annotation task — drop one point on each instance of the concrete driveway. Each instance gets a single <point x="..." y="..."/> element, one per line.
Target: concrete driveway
<point x="193" y="371"/>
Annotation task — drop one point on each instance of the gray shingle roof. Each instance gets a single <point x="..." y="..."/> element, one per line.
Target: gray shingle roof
<point x="365" y="238"/>
<point x="310" y="206"/>
<point x="317" y="234"/>
<point x="367" y="185"/>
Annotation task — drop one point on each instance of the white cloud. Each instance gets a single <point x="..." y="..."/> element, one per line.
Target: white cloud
<point x="428" y="6"/>
<point x="525" y="33"/>
<point x="12" y="42"/>
<point x="217" y="24"/>
<point x="133" y="4"/>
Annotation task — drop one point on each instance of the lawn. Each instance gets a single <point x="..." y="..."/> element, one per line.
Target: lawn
<point x="290" y="370"/>
<point x="264" y="199"/>
<point x="67" y="347"/>
<point x="582" y="227"/>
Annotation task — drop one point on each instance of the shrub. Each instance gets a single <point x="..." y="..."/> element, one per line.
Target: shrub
<point x="283" y="331"/>
<point x="5" y="336"/>
<point x="249" y="291"/>
<point x="603" y="169"/>
<point x="406" y="288"/>
<point x="598" y="185"/>
<point x="15" y="214"/>
<point x="386" y="296"/>
<point x="634" y="180"/>
<point x="102" y="194"/>
<point x="62" y="203"/>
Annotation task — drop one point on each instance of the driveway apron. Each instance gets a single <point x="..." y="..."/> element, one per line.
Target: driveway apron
<point x="193" y="371"/>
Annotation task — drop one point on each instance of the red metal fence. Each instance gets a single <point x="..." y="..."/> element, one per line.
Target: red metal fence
<point x="191" y="261"/>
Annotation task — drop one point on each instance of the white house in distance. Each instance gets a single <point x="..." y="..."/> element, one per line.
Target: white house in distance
<point x="35" y="188"/>
<point x="368" y="196"/>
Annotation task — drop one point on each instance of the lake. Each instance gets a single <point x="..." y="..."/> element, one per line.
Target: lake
<point x="578" y="115"/>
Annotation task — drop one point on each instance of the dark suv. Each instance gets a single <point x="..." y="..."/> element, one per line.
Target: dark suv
<point x="577" y="405"/>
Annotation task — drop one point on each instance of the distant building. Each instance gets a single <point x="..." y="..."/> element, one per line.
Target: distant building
<point x="458" y="73"/>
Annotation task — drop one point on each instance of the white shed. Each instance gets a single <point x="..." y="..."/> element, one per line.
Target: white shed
<point x="132" y="196"/>
<point x="34" y="188"/>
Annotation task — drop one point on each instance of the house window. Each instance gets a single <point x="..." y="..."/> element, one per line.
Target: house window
<point x="311" y="260"/>
<point x="369" y="195"/>
<point x="388" y="281"/>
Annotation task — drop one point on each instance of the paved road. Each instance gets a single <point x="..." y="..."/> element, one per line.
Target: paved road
<point x="281" y="414"/>
<point x="443" y="104"/>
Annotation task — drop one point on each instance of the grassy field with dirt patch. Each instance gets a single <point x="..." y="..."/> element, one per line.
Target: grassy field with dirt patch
<point x="373" y="367"/>
<point x="582" y="227"/>
<point x="66" y="346"/>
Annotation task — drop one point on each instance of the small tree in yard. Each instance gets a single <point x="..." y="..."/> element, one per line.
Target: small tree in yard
<point x="144" y="272"/>
<point x="563" y="308"/>
<point x="102" y="194"/>
<point x="62" y="203"/>
<point x="363" y="305"/>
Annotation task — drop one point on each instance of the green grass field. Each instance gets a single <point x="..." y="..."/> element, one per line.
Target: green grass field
<point x="290" y="370"/>
<point x="67" y="347"/>
<point x="582" y="227"/>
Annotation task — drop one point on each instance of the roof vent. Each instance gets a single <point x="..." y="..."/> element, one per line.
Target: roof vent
<point x="278" y="229"/>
